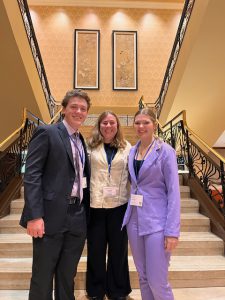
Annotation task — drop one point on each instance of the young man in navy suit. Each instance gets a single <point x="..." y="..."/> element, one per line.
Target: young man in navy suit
<point x="57" y="200"/>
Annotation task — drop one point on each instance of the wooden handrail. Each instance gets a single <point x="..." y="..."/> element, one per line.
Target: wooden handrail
<point x="184" y="117"/>
<point x="25" y="115"/>
<point x="55" y="116"/>
<point x="17" y="130"/>
<point x="201" y="140"/>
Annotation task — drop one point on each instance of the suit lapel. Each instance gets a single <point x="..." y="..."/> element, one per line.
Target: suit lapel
<point x="150" y="160"/>
<point x="131" y="163"/>
<point x="66" y="141"/>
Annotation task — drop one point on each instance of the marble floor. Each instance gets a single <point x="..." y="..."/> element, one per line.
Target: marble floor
<point x="217" y="293"/>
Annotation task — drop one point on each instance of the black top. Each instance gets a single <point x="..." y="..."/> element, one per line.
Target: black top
<point x="137" y="166"/>
<point x="110" y="151"/>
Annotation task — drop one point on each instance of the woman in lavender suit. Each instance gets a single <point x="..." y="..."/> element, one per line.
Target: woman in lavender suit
<point x="153" y="213"/>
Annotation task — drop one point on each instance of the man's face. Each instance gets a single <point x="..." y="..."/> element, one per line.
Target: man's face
<point x="75" y="112"/>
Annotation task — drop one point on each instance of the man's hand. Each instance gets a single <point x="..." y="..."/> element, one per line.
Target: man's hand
<point x="36" y="228"/>
<point x="170" y="243"/>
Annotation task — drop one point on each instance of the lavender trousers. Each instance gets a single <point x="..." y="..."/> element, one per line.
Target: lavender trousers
<point x="151" y="261"/>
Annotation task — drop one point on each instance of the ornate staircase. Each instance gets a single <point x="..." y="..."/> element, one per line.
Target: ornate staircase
<point x="197" y="262"/>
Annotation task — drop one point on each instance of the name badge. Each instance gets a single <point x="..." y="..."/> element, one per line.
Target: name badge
<point x="110" y="191"/>
<point x="84" y="182"/>
<point x="136" y="200"/>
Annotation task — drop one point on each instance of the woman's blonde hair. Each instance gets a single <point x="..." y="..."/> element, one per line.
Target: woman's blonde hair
<point x="149" y="112"/>
<point x="96" y="138"/>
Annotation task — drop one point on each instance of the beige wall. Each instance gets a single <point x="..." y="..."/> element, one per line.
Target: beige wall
<point x="54" y="27"/>
<point x="197" y="84"/>
<point x="15" y="84"/>
<point x="19" y="81"/>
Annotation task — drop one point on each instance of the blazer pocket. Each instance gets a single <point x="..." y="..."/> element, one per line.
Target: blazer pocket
<point x="48" y="195"/>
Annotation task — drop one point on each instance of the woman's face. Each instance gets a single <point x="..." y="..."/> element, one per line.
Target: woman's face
<point x="144" y="126"/>
<point x="108" y="128"/>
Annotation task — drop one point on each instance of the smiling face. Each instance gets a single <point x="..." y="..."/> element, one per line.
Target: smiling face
<point x="144" y="127"/>
<point x="75" y="112"/>
<point x="108" y="128"/>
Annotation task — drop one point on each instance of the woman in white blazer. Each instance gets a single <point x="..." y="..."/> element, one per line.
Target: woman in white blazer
<point x="109" y="187"/>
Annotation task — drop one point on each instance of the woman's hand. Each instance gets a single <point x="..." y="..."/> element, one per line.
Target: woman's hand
<point x="170" y="243"/>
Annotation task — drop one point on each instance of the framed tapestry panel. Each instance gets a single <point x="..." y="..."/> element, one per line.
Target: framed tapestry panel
<point x="86" y="58"/>
<point x="124" y="60"/>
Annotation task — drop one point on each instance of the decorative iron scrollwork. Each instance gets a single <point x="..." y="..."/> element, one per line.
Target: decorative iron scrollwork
<point x="209" y="174"/>
<point x="13" y="158"/>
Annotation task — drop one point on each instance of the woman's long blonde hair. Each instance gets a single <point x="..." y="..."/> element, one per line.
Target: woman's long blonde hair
<point x="96" y="138"/>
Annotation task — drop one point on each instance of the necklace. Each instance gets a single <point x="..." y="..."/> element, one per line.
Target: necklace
<point x="145" y="150"/>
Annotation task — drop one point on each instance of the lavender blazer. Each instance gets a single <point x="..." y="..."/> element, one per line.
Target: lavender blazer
<point x="158" y="183"/>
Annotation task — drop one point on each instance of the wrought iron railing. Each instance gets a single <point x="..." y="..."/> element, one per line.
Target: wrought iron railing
<point x="193" y="152"/>
<point x="24" y="9"/>
<point x="188" y="6"/>
<point x="13" y="157"/>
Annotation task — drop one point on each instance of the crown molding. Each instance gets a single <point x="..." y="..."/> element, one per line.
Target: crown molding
<point x="167" y="4"/>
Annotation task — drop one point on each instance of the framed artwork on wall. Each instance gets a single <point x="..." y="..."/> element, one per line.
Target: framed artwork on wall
<point x="124" y="59"/>
<point x="86" y="59"/>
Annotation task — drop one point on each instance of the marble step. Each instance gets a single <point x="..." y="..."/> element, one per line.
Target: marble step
<point x="194" y="222"/>
<point x="16" y="206"/>
<point x="180" y="179"/>
<point x="191" y="243"/>
<point x="189" y="222"/>
<point x="199" y="243"/>
<point x="208" y="293"/>
<point x="184" y="271"/>
<point x="184" y="191"/>
<point x="187" y="205"/>
<point x="179" y="175"/>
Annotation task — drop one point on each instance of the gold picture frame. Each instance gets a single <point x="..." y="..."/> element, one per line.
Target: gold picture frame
<point x="86" y="59"/>
<point x="124" y="60"/>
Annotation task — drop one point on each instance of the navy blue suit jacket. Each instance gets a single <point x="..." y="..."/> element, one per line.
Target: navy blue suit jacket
<point x="49" y="177"/>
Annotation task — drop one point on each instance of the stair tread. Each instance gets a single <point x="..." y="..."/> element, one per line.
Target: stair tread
<point x="12" y="238"/>
<point x="199" y="236"/>
<point x="208" y="293"/>
<point x="178" y="263"/>
<point x="21" y="200"/>
<point x="194" y="215"/>
<point x="15" y="238"/>
<point x="17" y="216"/>
<point x="197" y="263"/>
<point x="184" y="188"/>
<point x="11" y="217"/>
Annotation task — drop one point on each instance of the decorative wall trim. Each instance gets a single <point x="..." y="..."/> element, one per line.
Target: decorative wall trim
<point x="107" y="3"/>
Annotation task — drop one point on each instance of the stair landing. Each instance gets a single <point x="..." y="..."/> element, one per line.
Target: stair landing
<point x="216" y="293"/>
